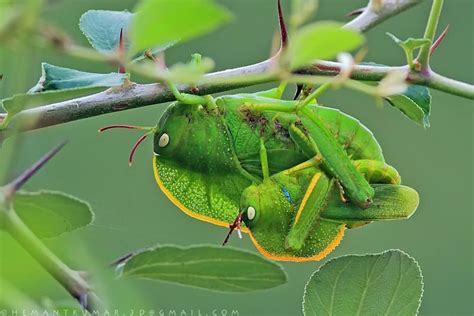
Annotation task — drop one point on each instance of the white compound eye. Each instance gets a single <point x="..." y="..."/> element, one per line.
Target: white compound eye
<point x="250" y="212"/>
<point x="164" y="140"/>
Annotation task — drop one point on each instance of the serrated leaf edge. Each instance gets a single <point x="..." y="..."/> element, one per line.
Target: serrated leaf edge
<point x="89" y="40"/>
<point x="370" y="255"/>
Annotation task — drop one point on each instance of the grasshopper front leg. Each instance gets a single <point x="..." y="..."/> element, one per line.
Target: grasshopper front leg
<point x="314" y="201"/>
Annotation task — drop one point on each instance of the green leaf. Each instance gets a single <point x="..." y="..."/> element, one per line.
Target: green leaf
<point x="60" y="78"/>
<point x="409" y="45"/>
<point x="50" y="214"/>
<point x="321" y="40"/>
<point x="190" y="72"/>
<point x="161" y="21"/>
<point x="389" y="283"/>
<point x="102" y="28"/>
<point x="415" y="103"/>
<point x="207" y="267"/>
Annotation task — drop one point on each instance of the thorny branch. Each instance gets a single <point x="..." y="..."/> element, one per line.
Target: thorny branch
<point x="139" y="95"/>
<point x="73" y="281"/>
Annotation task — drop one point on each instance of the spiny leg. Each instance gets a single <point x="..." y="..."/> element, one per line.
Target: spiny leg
<point x="341" y="192"/>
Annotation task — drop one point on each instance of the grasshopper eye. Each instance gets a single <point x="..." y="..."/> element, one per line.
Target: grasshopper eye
<point x="164" y="140"/>
<point x="251" y="212"/>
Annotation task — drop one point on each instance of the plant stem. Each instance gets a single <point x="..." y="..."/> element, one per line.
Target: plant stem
<point x="71" y="280"/>
<point x="430" y="32"/>
<point x="138" y="95"/>
<point x="450" y="86"/>
<point x="375" y="14"/>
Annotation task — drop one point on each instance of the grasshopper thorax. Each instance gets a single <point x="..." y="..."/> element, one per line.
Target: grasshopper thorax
<point x="193" y="136"/>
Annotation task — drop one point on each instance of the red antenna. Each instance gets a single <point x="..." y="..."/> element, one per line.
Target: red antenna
<point x="234" y="226"/>
<point x="137" y="143"/>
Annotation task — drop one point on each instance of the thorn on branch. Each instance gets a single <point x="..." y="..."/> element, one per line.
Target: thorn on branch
<point x="439" y="40"/>
<point x="121" y="54"/>
<point x="123" y="259"/>
<point x="88" y="301"/>
<point x="83" y="300"/>
<point x="355" y="12"/>
<point x="16" y="184"/>
<point x="283" y="31"/>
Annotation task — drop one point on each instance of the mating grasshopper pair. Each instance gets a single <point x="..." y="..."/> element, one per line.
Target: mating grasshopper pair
<point x="281" y="167"/>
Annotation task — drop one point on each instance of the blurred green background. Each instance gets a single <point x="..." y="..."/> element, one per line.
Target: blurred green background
<point x="131" y="212"/>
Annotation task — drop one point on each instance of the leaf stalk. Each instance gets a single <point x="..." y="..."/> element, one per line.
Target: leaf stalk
<point x="430" y="32"/>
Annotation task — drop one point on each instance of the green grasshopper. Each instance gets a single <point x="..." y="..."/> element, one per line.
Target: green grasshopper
<point x="297" y="214"/>
<point x="207" y="150"/>
<point x="207" y="154"/>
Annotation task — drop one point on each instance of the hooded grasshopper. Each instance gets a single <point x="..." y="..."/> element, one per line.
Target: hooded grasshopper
<point x="210" y="155"/>
<point x="297" y="214"/>
<point x="207" y="151"/>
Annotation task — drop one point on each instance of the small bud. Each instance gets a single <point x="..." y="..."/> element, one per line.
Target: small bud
<point x="347" y="65"/>
<point x="393" y="83"/>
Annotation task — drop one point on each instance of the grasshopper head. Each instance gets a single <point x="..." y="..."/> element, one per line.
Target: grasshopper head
<point x="171" y="130"/>
<point x="250" y="206"/>
<point x="264" y="207"/>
